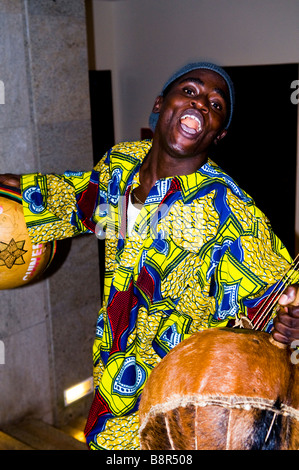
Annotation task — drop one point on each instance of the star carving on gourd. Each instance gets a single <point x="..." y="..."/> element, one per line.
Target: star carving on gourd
<point x="12" y="253"/>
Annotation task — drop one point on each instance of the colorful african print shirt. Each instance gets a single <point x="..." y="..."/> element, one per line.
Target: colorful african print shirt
<point x="201" y="255"/>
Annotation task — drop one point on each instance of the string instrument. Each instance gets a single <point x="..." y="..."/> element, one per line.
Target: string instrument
<point x="224" y="388"/>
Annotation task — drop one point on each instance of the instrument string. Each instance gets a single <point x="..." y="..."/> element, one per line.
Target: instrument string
<point x="268" y="305"/>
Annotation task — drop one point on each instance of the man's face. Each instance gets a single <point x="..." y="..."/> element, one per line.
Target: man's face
<point x="193" y="113"/>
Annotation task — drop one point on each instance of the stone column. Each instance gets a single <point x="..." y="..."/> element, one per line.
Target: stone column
<point x="47" y="328"/>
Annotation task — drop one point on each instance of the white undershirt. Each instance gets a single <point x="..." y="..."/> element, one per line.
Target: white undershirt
<point x="132" y="215"/>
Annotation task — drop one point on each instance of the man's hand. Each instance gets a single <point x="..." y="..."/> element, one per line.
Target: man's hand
<point x="8" y="179"/>
<point x="286" y="323"/>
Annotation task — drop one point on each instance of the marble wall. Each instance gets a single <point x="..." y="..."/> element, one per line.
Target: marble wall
<point x="47" y="328"/>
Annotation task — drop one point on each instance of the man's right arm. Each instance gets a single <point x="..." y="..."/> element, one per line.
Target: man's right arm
<point x="50" y="203"/>
<point x="61" y="206"/>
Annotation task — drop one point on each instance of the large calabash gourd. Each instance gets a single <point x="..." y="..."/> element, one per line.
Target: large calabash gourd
<point x="21" y="261"/>
<point x="222" y="389"/>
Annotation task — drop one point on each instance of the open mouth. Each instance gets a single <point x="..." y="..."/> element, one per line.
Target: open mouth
<point x="191" y="122"/>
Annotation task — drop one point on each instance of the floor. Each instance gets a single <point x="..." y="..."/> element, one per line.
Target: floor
<point x="32" y="434"/>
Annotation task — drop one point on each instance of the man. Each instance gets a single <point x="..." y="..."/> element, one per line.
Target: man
<point x="186" y="248"/>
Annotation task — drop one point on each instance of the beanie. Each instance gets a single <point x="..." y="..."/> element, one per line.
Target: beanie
<point x="195" y="66"/>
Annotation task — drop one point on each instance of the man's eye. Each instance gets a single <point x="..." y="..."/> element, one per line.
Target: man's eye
<point x="216" y="105"/>
<point x="189" y="91"/>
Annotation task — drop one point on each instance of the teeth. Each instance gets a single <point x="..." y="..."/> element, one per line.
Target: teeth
<point x="188" y="116"/>
<point x="191" y="117"/>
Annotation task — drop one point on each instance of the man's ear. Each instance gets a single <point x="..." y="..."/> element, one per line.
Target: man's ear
<point x="220" y="136"/>
<point x="157" y="104"/>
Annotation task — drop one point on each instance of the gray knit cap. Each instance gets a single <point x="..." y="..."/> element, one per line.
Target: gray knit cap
<point x="194" y="66"/>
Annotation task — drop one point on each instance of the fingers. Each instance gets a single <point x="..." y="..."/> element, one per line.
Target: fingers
<point x="286" y="325"/>
<point x="10" y="179"/>
<point x="290" y="296"/>
<point x="280" y="338"/>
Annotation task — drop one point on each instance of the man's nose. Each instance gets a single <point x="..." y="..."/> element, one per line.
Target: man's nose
<point x="200" y="102"/>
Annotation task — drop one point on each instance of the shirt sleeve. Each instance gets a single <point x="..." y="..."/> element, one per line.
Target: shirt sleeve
<point x="62" y="206"/>
<point x="250" y="273"/>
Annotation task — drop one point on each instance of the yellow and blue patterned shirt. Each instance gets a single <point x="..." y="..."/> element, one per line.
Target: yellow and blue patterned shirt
<point x="201" y="255"/>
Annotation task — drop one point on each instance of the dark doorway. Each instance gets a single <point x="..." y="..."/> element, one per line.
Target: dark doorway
<point x="259" y="151"/>
<point x="102" y="126"/>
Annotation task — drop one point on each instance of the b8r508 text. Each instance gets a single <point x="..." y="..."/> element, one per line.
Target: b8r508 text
<point x="171" y="459"/>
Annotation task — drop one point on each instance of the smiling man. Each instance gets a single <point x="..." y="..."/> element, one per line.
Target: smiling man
<point x="193" y="112"/>
<point x="186" y="248"/>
